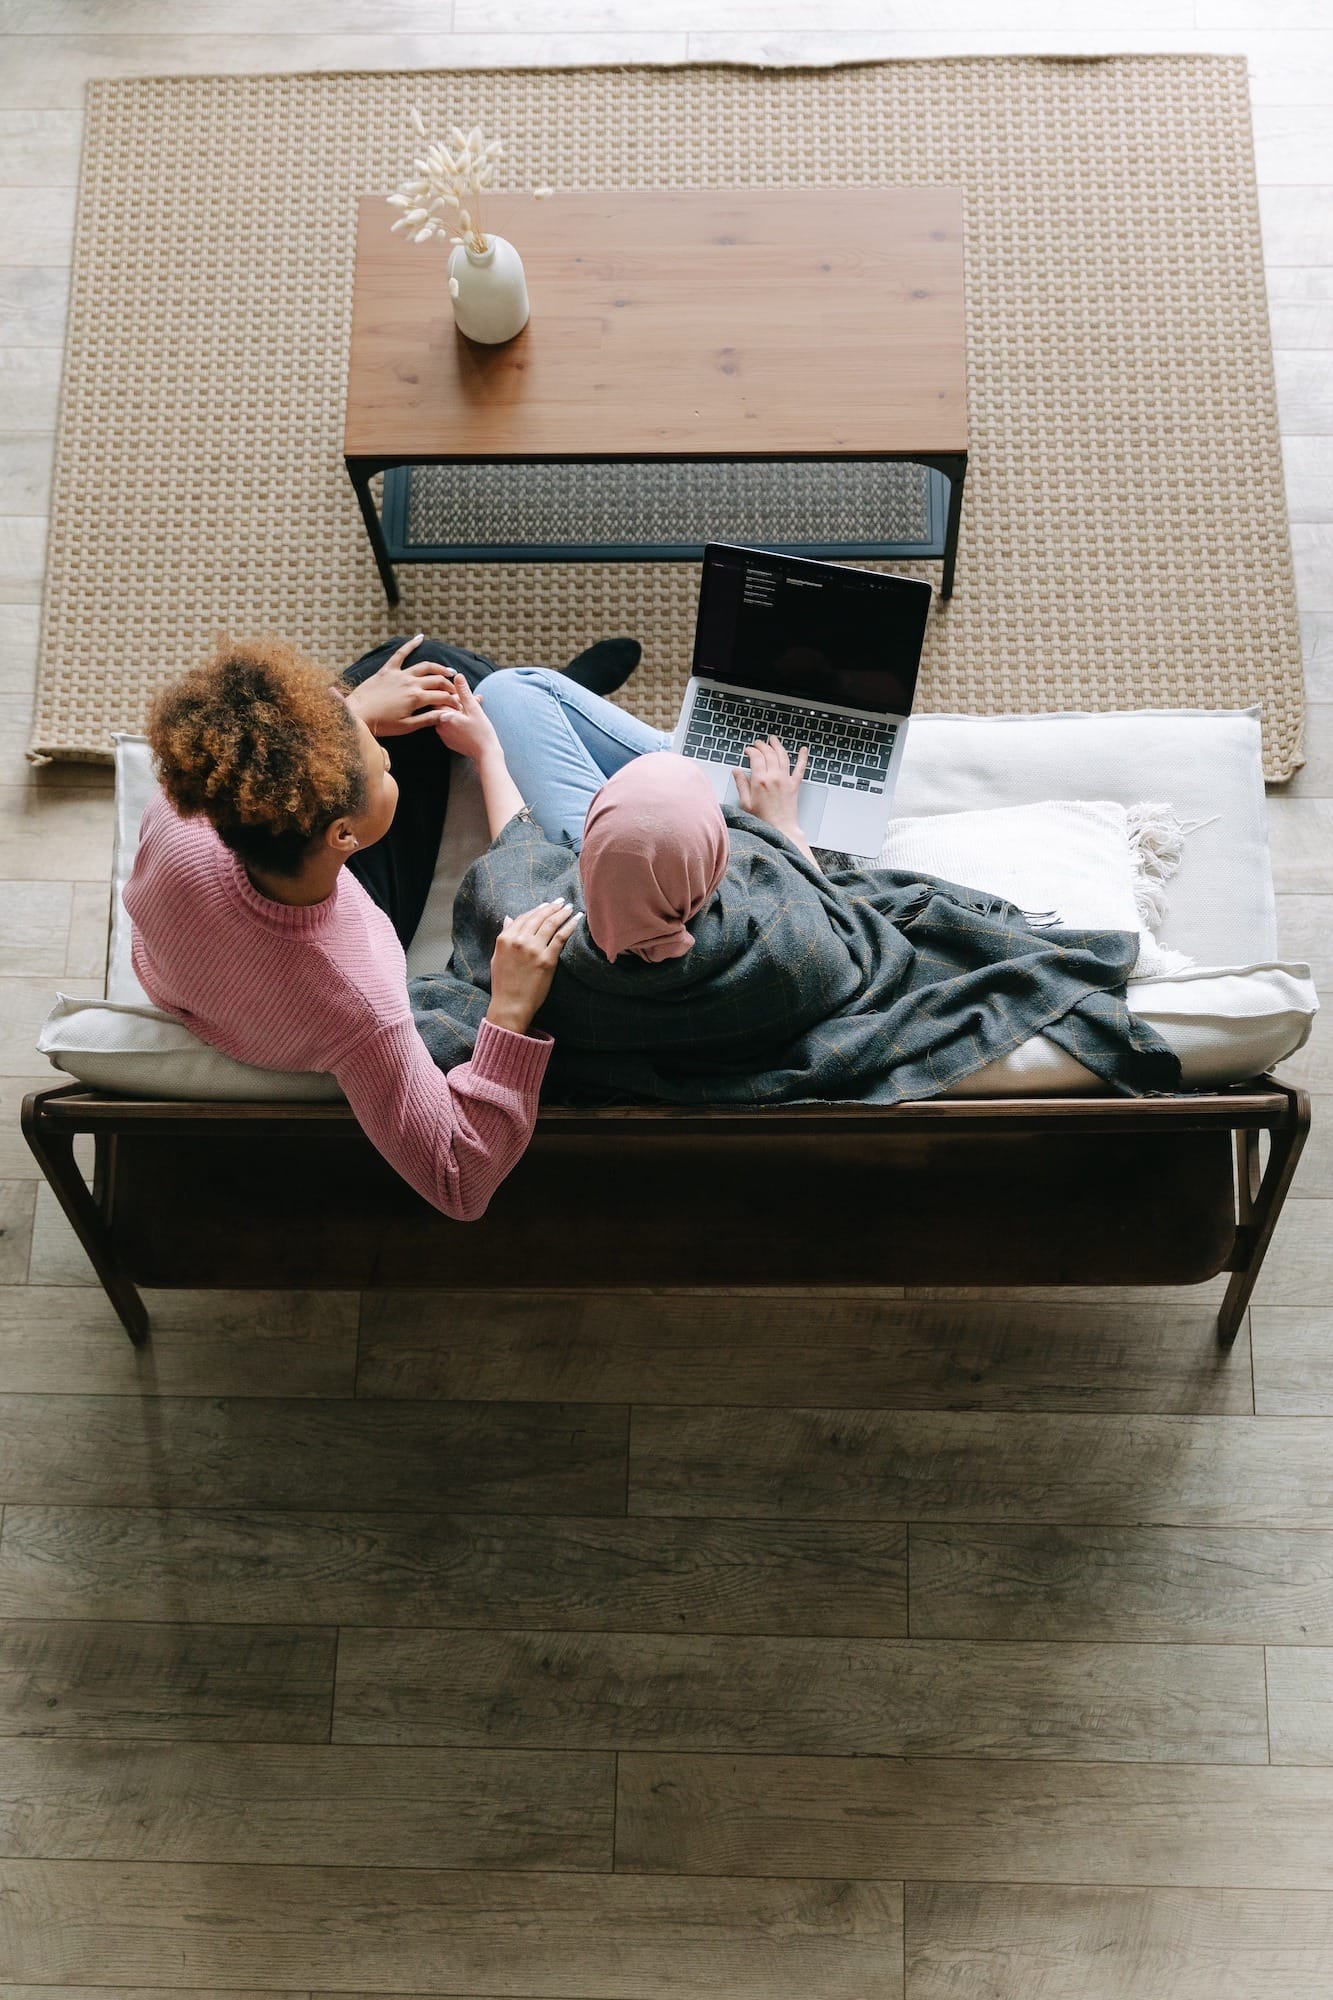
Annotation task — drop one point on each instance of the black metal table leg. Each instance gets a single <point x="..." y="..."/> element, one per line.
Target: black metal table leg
<point x="955" y="470"/>
<point x="361" y="472"/>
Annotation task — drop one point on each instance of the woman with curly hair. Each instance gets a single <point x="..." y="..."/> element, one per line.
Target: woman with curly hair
<point x="283" y="868"/>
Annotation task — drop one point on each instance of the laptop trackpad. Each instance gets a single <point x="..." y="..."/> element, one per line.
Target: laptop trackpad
<point x="810" y="803"/>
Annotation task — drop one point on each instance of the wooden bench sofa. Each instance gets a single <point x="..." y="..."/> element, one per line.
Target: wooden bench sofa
<point x="1012" y="1189"/>
<point x="1046" y="1191"/>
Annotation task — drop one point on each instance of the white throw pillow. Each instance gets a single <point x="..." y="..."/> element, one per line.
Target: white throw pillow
<point x="1207" y="762"/>
<point x="1073" y="863"/>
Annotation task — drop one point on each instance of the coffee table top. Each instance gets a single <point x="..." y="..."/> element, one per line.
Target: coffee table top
<point x="724" y="323"/>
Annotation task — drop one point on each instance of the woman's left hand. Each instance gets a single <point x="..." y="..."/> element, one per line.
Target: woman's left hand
<point x="463" y="724"/>
<point x="398" y="699"/>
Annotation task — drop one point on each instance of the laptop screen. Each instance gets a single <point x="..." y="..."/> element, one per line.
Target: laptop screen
<point x="814" y="630"/>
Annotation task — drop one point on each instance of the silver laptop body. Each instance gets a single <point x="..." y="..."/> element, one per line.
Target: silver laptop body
<point x="814" y="653"/>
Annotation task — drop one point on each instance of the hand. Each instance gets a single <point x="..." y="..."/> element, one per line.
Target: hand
<point x="769" y="788"/>
<point x="523" y="963"/>
<point x="463" y="724"/>
<point x="397" y="698"/>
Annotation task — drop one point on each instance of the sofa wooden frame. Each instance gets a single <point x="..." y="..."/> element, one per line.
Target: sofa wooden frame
<point x="954" y="1191"/>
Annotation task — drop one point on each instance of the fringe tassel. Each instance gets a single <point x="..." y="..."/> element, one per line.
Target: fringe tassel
<point x="1156" y="840"/>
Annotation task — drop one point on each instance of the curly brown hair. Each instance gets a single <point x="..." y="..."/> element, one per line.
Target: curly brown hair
<point x="253" y="741"/>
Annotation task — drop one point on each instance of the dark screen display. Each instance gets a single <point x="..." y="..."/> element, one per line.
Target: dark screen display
<point x="812" y="630"/>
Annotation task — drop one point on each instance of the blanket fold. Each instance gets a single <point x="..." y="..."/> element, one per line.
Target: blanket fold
<point x="866" y="984"/>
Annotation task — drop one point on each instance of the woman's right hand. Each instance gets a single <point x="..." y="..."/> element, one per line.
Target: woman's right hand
<point x="771" y="790"/>
<point x="524" y="961"/>
<point x="771" y="787"/>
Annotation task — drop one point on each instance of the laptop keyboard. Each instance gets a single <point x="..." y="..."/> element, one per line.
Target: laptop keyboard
<point x="845" y="750"/>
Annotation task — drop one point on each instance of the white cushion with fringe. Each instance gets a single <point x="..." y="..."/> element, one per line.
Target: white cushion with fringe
<point x="1206" y="763"/>
<point x="1070" y="863"/>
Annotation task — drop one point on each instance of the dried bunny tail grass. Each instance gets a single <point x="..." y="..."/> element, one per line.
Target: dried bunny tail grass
<point x="446" y="180"/>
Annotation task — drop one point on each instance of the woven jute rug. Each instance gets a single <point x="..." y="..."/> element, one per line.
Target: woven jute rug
<point x="1124" y="538"/>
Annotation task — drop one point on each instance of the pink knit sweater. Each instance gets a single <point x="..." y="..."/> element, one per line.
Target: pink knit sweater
<point x="325" y="988"/>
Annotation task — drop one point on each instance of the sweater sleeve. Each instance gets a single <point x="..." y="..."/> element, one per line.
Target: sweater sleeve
<point x="452" y="1137"/>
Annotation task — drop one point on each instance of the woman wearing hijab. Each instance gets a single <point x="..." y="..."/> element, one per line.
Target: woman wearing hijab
<point x="717" y="963"/>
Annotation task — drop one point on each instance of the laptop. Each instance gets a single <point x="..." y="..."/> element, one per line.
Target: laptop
<point x="814" y="653"/>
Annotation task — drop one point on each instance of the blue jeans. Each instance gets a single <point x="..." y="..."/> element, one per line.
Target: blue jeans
<point x="561" y="743"/>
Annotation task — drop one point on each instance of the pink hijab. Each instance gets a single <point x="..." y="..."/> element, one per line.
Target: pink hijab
<point x="654" y="849"/>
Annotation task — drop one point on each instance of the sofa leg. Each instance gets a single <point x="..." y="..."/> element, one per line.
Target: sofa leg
<point x="1260" y="1202"/>
<point x="54" y="1152"/>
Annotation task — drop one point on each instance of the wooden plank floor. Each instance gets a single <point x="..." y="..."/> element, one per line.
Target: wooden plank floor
<point x="649" y="1647"/>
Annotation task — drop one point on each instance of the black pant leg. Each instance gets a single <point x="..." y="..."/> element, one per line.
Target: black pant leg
<point x="397" y="871"/>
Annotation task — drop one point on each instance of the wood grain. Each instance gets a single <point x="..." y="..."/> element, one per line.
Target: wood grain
<point x="33" y="300"/>
<point x="1293" y="1360"/>
<point x="17" y="1206"/>
<point x="266" y="1683"/>
<point x="1171" y="1584"/>
<point x="975" y="1820"/>
<point x="55" y="834"/>
<point x="25" y="472"/>
<point x="417" y="1931"/>
<point x="37" y="233"/>
<point x="678" y="321"/>
<point x="857" y="1351"/>
<point x="62" y="1992"/>
<point x="34" y="916"/>
<point x="325" y="1805"/>
<point x="886" y="1697"/>
<point x="1117" y="1944"/>
<point x="1300" y="1704"/>
<point x="435" y="1569"/>
<point x="193" y="1451"/>
<point x="65" y="1339"/>
<point x="875" y="1465"/>
<point x="1313" y="780"/>
<point x="39" y="149"/>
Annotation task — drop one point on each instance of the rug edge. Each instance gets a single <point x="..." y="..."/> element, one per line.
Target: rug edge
<point x="108" y="85"/>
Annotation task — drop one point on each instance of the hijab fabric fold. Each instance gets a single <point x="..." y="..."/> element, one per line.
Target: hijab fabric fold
<point x="654" y="849"/>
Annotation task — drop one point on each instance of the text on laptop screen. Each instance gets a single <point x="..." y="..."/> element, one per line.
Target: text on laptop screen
<point x="810" y="630"/>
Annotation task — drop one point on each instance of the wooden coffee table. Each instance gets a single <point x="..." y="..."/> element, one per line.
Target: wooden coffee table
<point x="696" y="362"/>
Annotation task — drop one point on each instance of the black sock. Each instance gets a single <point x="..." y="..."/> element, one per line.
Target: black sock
<point x="606" y="666"/>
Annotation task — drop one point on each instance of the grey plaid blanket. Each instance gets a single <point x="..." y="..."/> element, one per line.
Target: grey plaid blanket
<point x="865" y="984"/>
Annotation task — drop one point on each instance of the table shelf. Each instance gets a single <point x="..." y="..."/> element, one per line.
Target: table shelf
<point x="662" y="511"/>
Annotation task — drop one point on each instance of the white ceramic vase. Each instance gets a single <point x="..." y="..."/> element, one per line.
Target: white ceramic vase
<point x="491" y="303"/>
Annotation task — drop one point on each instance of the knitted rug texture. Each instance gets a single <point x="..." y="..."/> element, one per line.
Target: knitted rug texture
<point x="1124" y="538"/>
